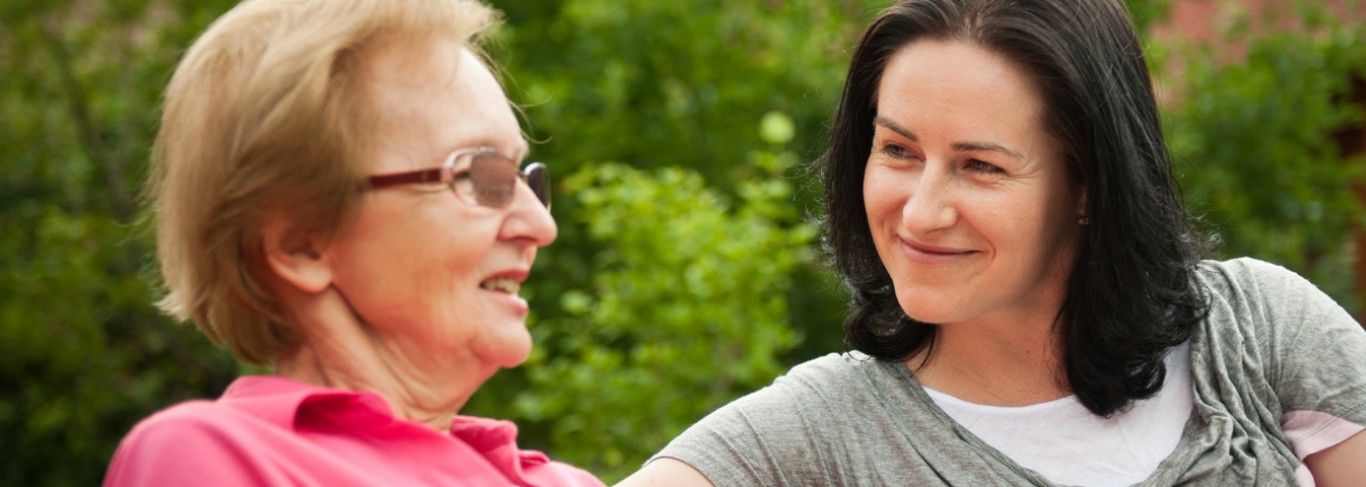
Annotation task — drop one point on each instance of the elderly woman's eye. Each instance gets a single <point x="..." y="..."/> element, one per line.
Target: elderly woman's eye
<point x="463" y="185"/>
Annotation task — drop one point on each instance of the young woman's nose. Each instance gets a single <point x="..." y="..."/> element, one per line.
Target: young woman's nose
<point x="929" y="207"/>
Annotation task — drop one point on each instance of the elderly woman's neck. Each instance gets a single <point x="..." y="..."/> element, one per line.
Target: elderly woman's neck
<point x="413" y="395"/>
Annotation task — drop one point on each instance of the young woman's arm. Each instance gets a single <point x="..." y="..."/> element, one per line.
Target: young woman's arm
<point x="1342" y="464"/>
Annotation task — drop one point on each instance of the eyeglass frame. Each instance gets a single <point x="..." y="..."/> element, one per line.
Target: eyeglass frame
<point x="535" y="175"/>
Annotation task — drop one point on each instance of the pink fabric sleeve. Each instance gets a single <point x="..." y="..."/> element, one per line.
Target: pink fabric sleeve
<point x="1311" y="432"/>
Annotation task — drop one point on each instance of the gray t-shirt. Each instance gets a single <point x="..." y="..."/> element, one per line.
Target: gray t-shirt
<point x="1273" y="343"/>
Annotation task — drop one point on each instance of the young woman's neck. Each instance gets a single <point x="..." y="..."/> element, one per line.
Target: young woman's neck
<point x="997" y="364"/>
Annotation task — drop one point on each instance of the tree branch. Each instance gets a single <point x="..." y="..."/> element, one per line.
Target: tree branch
<point x="91" y="143"/>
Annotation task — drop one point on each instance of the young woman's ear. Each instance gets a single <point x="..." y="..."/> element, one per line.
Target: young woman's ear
<point x="294" y="257"/>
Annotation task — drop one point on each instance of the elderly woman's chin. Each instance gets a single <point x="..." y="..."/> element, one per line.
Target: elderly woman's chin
<point x="505" y="346"/>
<point x="496" y="335"/>
<point x="476" y="340"/>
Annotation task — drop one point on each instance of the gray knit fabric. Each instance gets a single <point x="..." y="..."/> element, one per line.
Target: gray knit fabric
<point x="1273" y="343"/>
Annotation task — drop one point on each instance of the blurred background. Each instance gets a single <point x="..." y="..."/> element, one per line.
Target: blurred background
<point x="688" y="270"/>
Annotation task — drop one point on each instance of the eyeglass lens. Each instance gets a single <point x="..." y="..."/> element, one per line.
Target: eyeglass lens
<point x="494" y="178"/>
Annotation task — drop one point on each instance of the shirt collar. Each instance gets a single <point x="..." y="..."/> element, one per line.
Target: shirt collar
<point x="296" y="405"/>
<point x="285" y="401"/>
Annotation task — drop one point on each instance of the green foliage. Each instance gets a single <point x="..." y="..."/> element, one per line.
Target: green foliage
<point x="82" y="352"/>
<point x="686" y="309"/>
<point x="637" y="298"/>
<point x="1147" y="12"/>
<point x="1254" y="146"/>
<point x="660" y="84"/>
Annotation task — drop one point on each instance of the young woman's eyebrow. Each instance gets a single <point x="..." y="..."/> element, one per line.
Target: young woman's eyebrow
<point x="890" y="125"/>
<point x="986" y="146"/>
<point x="961" y="146"/>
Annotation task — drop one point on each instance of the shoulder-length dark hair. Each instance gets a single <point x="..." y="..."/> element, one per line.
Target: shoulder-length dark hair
<point x="1132" y="294"/>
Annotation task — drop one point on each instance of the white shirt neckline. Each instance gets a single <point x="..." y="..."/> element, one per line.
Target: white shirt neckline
<point x="1065" y="443"/>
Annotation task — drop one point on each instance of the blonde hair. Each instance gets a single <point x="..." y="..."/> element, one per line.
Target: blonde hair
<point x="267" y="112"/>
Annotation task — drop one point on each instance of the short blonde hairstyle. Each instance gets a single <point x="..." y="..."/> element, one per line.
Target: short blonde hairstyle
<point x="267" y="113"/>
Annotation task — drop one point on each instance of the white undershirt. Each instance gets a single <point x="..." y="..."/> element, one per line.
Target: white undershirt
<point x="1067" y="444"/>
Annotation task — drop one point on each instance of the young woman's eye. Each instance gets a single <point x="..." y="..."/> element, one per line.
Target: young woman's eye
<point x="979" y="166"/>
<point x="896" y="151"/>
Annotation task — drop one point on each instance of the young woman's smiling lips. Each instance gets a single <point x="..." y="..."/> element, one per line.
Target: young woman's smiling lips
<point x="926" y="254"/>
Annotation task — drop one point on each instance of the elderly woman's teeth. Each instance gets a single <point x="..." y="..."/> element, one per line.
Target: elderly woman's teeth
<point x="501" y="284"/>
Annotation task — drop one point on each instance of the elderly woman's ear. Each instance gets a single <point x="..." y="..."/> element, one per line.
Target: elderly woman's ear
<point x="294" y="257"/>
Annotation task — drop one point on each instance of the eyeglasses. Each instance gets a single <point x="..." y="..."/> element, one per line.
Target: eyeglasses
<point x="479" y="176"/>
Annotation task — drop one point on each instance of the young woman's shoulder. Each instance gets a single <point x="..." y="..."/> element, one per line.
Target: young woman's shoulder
<point x="807" y="395"/>
<point x="821" y="423"/>
<point x="1251" y="272"/>
<point x="836" y="373"/>
<point x="1305" y="346"/>
<point x="1260" y="294"/>
<point x="1265" y="298"/>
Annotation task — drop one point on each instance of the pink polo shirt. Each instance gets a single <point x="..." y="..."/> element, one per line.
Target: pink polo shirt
<point x="269" y="430"/>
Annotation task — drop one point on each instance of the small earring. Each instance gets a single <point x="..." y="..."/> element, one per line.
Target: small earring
<point x="1083" y="220"/>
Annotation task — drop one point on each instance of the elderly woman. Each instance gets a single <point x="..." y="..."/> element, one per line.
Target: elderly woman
<point x="337" y="194"/>
<point x="1030" y="307"/>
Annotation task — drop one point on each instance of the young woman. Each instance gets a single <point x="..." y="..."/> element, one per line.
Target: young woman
<point x="1030" y="306"/>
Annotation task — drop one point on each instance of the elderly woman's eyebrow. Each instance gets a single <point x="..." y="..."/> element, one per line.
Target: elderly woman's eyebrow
<point x="516" y="151"/>
<point x="961" y="146"/>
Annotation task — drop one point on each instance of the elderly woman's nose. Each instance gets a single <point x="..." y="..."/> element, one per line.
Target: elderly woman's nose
<point x="929" y="206"/>
<point x="529" y="220"/>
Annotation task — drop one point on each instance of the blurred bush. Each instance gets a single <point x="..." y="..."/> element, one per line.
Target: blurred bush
<point x="83" y="354"/>
<point x="1253" y="137"/>
<point x="686" y="308"/>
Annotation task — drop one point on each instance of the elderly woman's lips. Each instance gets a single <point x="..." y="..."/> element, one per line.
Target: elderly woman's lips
<point x="508" y="281"/>
<point x="502" y="284"/>
<point x="504" y="289"/>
